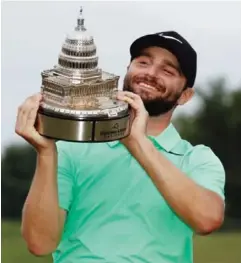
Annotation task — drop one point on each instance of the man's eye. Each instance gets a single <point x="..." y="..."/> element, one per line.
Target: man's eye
<point x="143" y="62"/>
<point x="168" y="72"/>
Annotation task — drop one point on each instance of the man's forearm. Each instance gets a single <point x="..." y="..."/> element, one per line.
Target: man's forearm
<point x="201" y="209"/>
<point x="40" y="219"/>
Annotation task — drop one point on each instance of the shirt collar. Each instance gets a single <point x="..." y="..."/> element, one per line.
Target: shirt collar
<point x="166" y="140"/>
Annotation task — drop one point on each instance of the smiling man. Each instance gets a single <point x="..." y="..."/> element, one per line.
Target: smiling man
<point x="163" y="68"/>
<point x="144" y="200"/>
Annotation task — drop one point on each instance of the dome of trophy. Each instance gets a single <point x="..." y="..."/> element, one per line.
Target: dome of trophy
<point x="78" y="56"/>
<point x="77" y="89"/>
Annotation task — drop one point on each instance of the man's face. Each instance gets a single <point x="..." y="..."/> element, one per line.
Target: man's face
<point x="155" y="76"/>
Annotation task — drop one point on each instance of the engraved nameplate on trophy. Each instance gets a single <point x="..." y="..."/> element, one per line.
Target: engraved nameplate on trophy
<point x="79" y="99"/>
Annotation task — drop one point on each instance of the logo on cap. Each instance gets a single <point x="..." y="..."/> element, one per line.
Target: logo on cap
<point x="170" y="37"/>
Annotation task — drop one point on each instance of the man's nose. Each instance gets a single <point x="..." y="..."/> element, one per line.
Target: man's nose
<point x="152" y="71"/>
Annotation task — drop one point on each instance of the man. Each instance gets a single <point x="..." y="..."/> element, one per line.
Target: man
<point x="135" y="200"/>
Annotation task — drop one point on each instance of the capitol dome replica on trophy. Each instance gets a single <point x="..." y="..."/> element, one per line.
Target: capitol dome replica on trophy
<point x="79" y="99"/>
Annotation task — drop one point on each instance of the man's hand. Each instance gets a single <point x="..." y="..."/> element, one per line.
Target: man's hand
<point x="139" y="115"/>
<point x="25" y="122"/>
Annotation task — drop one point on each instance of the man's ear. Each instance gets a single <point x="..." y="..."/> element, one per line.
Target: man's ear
<point x="187" y="94"/>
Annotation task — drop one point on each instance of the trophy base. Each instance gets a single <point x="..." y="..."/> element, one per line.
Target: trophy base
<point x="83" y="130"/>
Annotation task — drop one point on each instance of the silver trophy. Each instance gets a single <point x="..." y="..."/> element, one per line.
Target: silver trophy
<point x="79" y="99"/>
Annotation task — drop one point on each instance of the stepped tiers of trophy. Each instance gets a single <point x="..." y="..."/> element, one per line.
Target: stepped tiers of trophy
<point x="79" y="101"/>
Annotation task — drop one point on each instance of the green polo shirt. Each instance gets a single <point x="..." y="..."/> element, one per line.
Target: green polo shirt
<point x="115" y="214"/>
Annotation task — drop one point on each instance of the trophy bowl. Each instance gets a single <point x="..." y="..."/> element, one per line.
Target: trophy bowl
<point x="79" y="99"/>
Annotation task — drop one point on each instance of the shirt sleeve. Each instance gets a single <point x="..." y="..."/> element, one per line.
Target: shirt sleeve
<point x="207" y="170"/>
<point x="65" y="176"/>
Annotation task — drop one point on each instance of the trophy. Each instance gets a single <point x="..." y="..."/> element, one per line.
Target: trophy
<point x="79" y="99"/>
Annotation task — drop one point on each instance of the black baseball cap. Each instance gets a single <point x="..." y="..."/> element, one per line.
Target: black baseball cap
<point x="174" y="43"/>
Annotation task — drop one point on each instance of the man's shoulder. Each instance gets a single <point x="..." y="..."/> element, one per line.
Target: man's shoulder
<point x="202" y="165"/>
<point x="198" y="155"/>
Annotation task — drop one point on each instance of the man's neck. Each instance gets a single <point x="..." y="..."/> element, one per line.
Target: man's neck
<point x="157" y="125"/>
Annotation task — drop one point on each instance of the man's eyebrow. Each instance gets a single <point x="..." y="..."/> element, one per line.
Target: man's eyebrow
<point x="145" y="54"/>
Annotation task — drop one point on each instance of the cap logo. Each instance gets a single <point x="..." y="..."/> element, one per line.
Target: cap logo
<point x="161" y="34"/>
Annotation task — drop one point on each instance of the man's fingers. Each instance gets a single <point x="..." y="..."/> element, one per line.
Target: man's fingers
<point x="26" y="114"/>
<point x="21" y="120"/>
<point x="32" y="117"/>
<point x="130" y="95"/>
<point x="18" y="125"/>
<point x="131" y="101"/>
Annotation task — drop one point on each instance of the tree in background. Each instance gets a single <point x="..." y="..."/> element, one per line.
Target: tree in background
<point x="217" y="124"/>
<point x="18" y="165"/>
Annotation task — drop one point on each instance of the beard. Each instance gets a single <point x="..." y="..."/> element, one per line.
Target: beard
<point x="156" y="106"/>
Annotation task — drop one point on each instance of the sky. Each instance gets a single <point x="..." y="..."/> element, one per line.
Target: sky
<point x="33" y="33"/>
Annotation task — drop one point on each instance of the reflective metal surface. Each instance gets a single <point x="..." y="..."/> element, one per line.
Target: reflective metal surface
<point x="83" y="130"/>
<point x="78" y="97"/>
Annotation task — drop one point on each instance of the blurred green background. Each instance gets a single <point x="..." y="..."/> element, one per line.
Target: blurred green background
<point x="216" y="248"/>
<point x="216" y="123"/>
